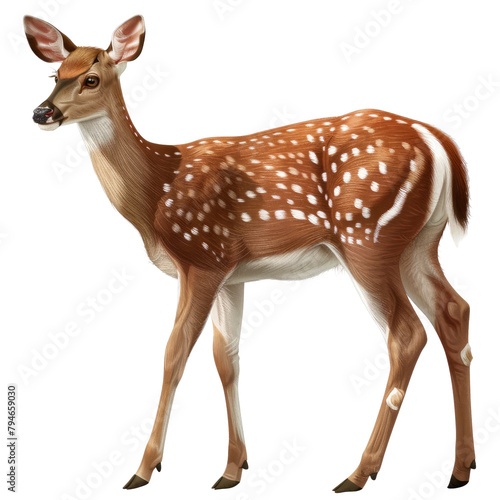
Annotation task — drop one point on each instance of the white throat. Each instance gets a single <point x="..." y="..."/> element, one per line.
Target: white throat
<point x="97" y="131"/>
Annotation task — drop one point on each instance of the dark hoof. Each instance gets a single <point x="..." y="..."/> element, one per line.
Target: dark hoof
<point x="374" y="475"/>
<point x="473" y="464"/>
<point x="158" y="467"/>
<point x="456" y="483"/>
<point x="245" y="465"/>
<point x="135" y="482"/>
<point x="224" y="483"/>
<point x="347" y="486"/>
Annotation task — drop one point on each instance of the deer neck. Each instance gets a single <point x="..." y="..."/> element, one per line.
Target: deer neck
<point x="131" y="170"/>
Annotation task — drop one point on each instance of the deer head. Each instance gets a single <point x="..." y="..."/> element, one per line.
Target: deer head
<point x="88" y="78"/>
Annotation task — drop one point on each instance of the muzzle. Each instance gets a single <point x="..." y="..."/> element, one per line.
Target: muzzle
<point x="47" y="113"/>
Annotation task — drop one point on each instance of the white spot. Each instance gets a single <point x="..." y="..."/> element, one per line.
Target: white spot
<point x="466" y="355"/>
<point x="394" y="399"/>
<point x="176" y="228"/>
<point x="344" y="157"/>
<point x="370" y="149"/>
<point x="327" y="224"/>
<point x="312" y="199"/>
<point x="355" y="151"/>
<point x="374" y="186"/>
<point x="166" y="188"/>
<point x="169" y="202"/>
<point x="336" y="191"/>
<point x="347" y="176"/>
<point x="260" y="190"/>
<point x="281" y="174"/>
<point x="187" y="236"/>
<point x="189" y="177"/>
<point x="280" y="214"/>
<point x="350" y="230"/>
<point x="334" y="167"/>
<point x="312" y="218"/>
<point x="310" y="138"/>
<point x="194" y="230"/>
<point x="344" y="128"/>
<point x="296" y="188"/>
<point x="264" y="214"/>
<point x="413" y="165"/>
<point x="382" y="167"/>
<point x="366" y="212"/>
<point x="332" y="150"/>
<point x="362" y="173"/>
<point x="313" y="157"/>
<point x="298" y="214"/>
<point x="348" y="216"/>
<point x="245" y="217"/>
<point x="250" y="194"/>
<point x="280" y="185"/>
<point x="321" y="214"/>
<point x="204" y="245"/>
<point x="337" y="215"/>
<point x="358" y="203"/>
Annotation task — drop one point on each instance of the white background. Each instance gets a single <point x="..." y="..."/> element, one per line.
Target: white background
<point x="313" y="364"/>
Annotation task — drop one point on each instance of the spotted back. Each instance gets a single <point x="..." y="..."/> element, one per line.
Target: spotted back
<point x="359" y="181"/>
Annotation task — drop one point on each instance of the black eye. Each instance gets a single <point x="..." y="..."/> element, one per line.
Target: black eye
<point x="92" y="81"/>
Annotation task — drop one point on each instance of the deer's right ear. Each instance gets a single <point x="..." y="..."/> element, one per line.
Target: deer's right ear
<point x="46" y="41"/>
<point x="128" y="40"/>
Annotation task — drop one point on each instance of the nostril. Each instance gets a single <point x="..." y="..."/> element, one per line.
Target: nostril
<point x="42" y="114"/>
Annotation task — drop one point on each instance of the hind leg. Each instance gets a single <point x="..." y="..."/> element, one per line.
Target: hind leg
<point x="385" y="295"/>
<point x="427" y="286"/>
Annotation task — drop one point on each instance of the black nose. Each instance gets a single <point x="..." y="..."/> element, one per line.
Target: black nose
<point x="42" y="114"/>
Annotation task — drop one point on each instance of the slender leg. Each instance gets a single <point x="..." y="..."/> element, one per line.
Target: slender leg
<point x="198" y="290"/>
<point x="427" y="286"/>
<point x="406" y="339"/>
<point x="226" y="315"/>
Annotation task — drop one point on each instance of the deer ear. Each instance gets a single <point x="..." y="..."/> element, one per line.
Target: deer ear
<point x="128" y="40"/>
<point x="46" y="41"/>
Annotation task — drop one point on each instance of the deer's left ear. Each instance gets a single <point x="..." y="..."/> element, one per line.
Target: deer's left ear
<point x="128" y="40"/>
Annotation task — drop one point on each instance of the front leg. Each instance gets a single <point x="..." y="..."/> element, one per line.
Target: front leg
<point x="226" y="316"/>
<point x="198" y="289"/>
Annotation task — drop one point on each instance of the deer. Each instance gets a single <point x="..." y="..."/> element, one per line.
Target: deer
<point x="370" y="192"/>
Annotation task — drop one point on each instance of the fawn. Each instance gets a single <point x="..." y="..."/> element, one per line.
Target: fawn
<point x="369" y="191"/>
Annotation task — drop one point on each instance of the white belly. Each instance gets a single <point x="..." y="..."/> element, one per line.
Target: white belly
<point x="296" y="265"/>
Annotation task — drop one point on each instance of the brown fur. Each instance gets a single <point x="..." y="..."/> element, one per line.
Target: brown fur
<point x="78" y="61"/>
